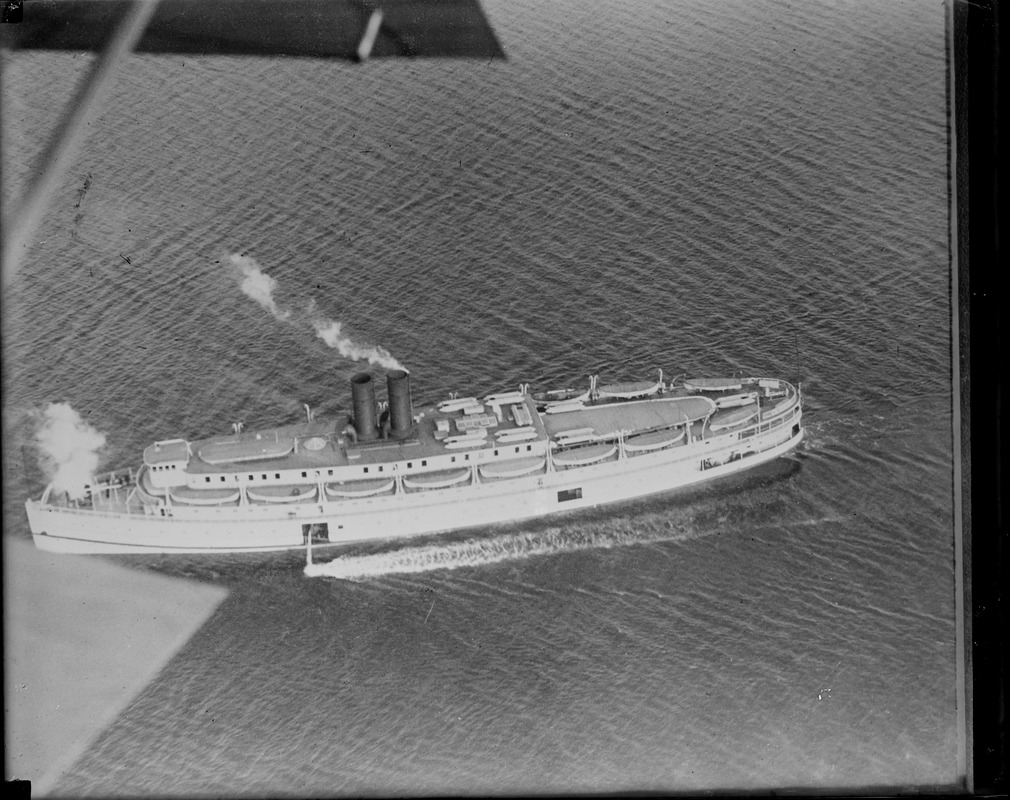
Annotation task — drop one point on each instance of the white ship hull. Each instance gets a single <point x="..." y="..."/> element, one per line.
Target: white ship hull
<point x="262" y="528"/>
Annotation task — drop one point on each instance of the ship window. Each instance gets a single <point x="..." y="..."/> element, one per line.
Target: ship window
<point x="453" y="459"/>
<point x="529" y="447"/>
<point x="424" y="463"/>
<point x="380" y="468"/>
<point x="222" y="479"/>
<point x="264" y="477"/>
<point x="366" y="469"/>
<point x="305" y="474"/>
<point x="496" y="452"/>
<point x="207" y="479"/>
<point x="252" y="477"/>
<point x="569" y="494"/>
<point x="410" y="464"/>
<point x="329" y="472"/>
<point x="277" y="476"/>
<point x="517" y="449"/>
<point x="467" y="456"/>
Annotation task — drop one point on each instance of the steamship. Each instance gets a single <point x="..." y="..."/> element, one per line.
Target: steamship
<point x="392" y="471"/>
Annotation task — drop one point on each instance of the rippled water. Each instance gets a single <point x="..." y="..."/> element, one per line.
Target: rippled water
<point x="705" y="188"/>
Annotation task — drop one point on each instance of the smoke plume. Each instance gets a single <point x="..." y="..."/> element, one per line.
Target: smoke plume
<point x="69" y="447"/>
<point x="329" y="331"/>
<point x="259" y="286"/>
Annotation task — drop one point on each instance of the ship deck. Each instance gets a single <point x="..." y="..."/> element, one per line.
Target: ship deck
<point x="636" y="416"/>
<point x="323" y="444"/>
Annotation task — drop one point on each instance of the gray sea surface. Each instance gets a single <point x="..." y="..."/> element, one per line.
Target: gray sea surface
<point x="702" y="187"/>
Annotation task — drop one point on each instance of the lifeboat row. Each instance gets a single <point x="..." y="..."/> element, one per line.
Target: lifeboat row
<point x="657" y="440"/>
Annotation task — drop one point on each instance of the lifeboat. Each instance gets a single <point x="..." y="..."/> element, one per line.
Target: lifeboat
<point x="282" y="494"/>
<point x="732" y="419"/>
<point x="437" y="480"/>
<point x="734" y="400"/>
<point x="561" y="395"/>
<point x="713" y="384"/>
<point x="351" y="489"/>
<point x="630" y="390"/>
<point x="563" y="406"/>
<point x="476" y="437"/>
<point x="204" y="497"/>
<point x="584" y="455"/>
<point x="516" y="435"/>
<point x="513" y="468"/>
<point x="504" y="398"/>
<point x="656" y="440"/>
<point x="447" y="406"/>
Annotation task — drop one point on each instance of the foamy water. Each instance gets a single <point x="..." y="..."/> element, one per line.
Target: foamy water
<point x="474" y="553"/>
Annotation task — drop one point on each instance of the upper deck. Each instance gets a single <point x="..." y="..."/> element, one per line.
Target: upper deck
<point x="637" y="416"/>
<point x="320" y="444"/>
<point x="493" y="434"/>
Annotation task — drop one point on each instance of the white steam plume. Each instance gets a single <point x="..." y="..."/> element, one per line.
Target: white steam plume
<point x="69" y="448"/>
<point x="329" y="331"/>
<point x="259" y="286"/>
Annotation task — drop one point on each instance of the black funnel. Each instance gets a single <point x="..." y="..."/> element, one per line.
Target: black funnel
<point x="401" y="414"/>
<point x="363" y="400"/>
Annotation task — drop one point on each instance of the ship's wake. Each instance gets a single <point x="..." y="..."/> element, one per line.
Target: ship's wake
<point x="259" y="286"/>
<point x="493" y="550"/>
<point x="596" y="535"/>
